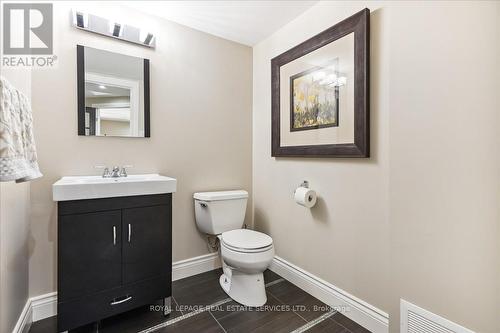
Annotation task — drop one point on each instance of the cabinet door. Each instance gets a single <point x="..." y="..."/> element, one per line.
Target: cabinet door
<point x="89" y="255"/>
<point x="146" y="242"/>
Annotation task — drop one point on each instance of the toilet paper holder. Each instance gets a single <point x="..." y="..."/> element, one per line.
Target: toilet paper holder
<point x="305" y="184"/>
<point x="304" y="196"/>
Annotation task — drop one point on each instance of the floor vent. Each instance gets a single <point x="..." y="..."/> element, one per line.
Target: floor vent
<point x="417" y="320"/>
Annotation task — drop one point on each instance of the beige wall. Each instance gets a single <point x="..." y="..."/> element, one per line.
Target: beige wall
<point x="14" y="232"/>
<point x="349" y="226"/>
<point x="418" y="220"/>
<point x="201" y="94"/>
<point x="444" y="161"/>
<point x="498" y="144"/>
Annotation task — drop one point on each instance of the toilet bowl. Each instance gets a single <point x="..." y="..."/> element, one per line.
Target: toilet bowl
<point x="245" y="254"/>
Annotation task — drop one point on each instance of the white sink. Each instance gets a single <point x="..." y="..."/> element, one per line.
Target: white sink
<point x="93" y="187"/>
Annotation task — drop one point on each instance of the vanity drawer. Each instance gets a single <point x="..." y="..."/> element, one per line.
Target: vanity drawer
<point x="103" y="204"/>
<point x="94" y="307"/>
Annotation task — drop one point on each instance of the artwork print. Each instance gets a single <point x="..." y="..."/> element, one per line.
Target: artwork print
<point x="314" y="98"/>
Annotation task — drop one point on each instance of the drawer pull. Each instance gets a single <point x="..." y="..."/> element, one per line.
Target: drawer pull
<point x="114" y="235"/>
<point x="129" y="232"/>
<point x="126" y="299"/>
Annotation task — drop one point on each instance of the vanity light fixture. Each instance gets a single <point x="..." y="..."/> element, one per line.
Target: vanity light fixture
<point x="81" y="20"/>
<point x="149" y="39"/>
<point x="146" y="37"/>
<point x="113" y="28"/>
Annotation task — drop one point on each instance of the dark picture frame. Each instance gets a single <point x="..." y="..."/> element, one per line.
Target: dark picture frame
<point x="80" y="68"/>
<point x="359" y="24"/>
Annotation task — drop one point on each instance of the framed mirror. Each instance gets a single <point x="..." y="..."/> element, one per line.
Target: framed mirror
<point x="113" y="94"/>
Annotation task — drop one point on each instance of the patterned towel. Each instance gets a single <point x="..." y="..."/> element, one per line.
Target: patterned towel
<point x="17" y="144"/>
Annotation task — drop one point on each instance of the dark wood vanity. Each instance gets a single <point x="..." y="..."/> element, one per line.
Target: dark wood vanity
<point x="114" y="254"/>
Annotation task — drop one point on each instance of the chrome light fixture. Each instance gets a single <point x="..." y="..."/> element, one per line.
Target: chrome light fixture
<point x="113" y="29"/>
<point x="80" y="20"/>
<point x="146" y="37"/>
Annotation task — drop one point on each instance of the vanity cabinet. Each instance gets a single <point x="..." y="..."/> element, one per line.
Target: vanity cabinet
<point x="114" y="254"/>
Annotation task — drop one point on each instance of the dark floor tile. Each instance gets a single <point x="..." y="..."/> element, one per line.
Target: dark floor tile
<point x="196" y="291"/>
<point x="203" y="322"/>
<point x="270" y="276"/>
<point x="232" y="307"/>
<point x="272" y="317"/>
<point x="303" y="304"/>
<point x="328" y="326"/>
<point x="48" y="325"/>
<point x="348" y="323"/>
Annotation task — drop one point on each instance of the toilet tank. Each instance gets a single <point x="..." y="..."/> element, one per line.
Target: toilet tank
<point x="217" y="212"/>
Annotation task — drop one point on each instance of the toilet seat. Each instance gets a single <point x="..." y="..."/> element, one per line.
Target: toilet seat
<point x="246" y="241"/>
<point x="236" y="249"/>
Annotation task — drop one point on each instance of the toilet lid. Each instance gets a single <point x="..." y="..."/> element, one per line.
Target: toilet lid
<point x="246" y="239"/>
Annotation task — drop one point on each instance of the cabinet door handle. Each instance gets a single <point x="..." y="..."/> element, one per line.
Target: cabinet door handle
<point x="114" y="235"/>
<point x="129" y="232"/>
<point x="128" y="298"/>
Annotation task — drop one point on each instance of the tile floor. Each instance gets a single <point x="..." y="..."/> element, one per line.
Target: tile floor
<point x="200" y="305"/>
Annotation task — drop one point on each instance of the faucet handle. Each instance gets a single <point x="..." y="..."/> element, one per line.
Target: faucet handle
<point x="105" y="171"/>
<point x="123" y="172"/>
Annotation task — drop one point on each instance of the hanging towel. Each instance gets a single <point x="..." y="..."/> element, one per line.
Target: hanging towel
<point x="17" y="145"/>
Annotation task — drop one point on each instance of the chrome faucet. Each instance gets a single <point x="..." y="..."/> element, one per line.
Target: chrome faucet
<point x="123" y="172"/>
<point x="105" y="170"/>
<point x="105" y="173"/>
<point x="116" y="172"/>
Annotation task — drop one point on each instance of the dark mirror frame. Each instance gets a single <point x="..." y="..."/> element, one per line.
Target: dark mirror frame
<point x="80" y="60"/>
<point x="358" y="23"/>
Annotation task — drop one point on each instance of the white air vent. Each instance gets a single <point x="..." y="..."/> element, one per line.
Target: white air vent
<point x="417" y="320"/>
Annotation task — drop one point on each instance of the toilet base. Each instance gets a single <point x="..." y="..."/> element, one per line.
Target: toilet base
<point x="246" y="289"/>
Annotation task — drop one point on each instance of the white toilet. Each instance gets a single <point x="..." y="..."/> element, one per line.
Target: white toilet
<point x="245" y="253"/>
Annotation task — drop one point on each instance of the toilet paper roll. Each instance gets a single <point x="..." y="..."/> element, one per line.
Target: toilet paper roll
<point x="305" y="197"/>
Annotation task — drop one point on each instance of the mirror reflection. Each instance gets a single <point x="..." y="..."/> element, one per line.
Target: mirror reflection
<point x="116" y="90"/>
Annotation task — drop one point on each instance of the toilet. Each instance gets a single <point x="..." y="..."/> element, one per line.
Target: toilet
<point x="245" y="254"/>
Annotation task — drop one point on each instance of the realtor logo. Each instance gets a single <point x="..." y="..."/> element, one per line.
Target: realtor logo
<point x="27" y="29"/>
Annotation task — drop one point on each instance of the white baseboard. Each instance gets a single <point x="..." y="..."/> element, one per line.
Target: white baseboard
<point x="196" y="265"/>
<point x="25" y="319"/>
<point x="45" y="306"/>
<point x="366" y="315"/>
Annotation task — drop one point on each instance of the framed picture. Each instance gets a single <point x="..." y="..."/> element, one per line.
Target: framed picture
<point x="320" y="93"/>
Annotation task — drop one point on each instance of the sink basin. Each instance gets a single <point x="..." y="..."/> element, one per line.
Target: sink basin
<point x="94" y="187"/>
